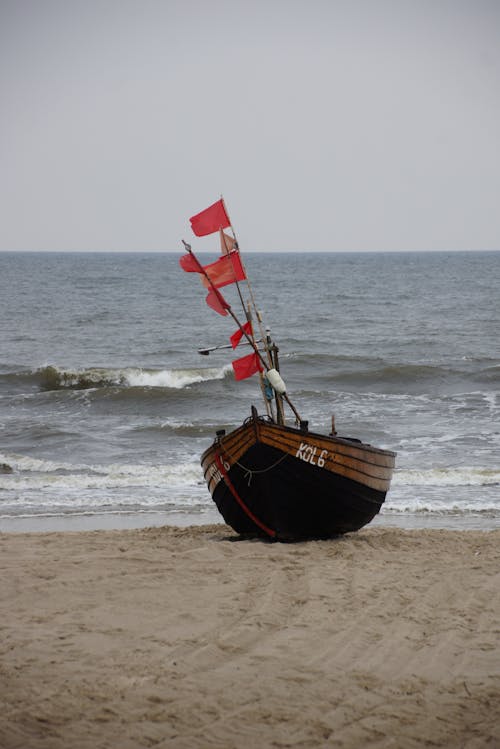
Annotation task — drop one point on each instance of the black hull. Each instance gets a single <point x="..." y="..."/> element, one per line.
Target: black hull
<point x="294" y="500"/>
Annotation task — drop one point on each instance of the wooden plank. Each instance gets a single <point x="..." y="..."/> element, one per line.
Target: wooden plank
<point x="369" y="466"/>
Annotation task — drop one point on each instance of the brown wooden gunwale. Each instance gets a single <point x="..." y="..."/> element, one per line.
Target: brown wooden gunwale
<point x="353" y="457"/>
<point x="381" y="484"/>
<point x="338" y="456"/>
<point x="334" y="462"/>
<point x="342" y="446"/>
<point x="237" y="443"/>
<point x="344" y="464"/>
<point x="288" y="435"/>
<point x="240" y="440"/>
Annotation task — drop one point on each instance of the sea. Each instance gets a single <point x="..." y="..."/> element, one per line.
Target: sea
<point x="106" y="404"/>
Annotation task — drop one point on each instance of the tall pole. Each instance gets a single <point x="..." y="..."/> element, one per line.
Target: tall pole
<point x="229" y="309"/>
<point x="250" y="291"/>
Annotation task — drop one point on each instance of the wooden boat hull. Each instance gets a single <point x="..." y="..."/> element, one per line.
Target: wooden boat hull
<point x="284" y="483"/>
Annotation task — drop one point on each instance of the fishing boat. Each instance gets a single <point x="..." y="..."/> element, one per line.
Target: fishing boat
<point x="267" y="477"/>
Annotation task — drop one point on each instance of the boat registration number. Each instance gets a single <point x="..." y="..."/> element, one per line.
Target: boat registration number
<point x="309" y="454"/>
<point x="214" y="472"/>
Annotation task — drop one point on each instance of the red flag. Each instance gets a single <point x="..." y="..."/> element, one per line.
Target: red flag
<point x="236" y="337"/>
<point x="190" y="264"/>
<point x="211" y="219"/>
<point x="246" y="366"/>
<point x="224" y="271"/>
<point x="216" y="301"/>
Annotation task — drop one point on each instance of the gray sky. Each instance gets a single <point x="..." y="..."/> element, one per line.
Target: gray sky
<point x="326" y="125"/>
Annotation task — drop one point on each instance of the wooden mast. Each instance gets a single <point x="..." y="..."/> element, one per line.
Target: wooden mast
<point x="229" y="309"/>
<point x="271" y="350"/>
<point x="250" y="290"/>
<point x="248" y="314"/>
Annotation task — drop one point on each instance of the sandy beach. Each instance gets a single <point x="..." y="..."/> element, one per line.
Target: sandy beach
<point x="191" y="637"/>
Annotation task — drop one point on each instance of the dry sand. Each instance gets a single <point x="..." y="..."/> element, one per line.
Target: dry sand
<point x="172" y="637"/>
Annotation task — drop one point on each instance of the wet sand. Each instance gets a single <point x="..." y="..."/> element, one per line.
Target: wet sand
<point x="190" y="637"/>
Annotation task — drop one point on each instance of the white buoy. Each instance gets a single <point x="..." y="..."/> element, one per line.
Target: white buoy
<point x="276" y="381"/>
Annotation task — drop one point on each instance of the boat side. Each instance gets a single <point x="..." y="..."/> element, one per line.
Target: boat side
<point x="356" y="461"/>
<point x="279" y="481"/>
<point x="234" y="444"/>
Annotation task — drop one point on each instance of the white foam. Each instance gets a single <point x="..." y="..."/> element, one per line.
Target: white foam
<point x="94" y="377"/>
<point x="432" y="506"/>
<point x="173" y="378"/>
<point x="31" y="473"/>
<point x="464" y="476"/>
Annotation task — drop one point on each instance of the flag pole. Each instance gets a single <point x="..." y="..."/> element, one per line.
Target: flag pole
<point x="263" y="336"/>
<point x="250" y="290"/>
<point x="228" y="307"/>
<point x="237" y="247"/>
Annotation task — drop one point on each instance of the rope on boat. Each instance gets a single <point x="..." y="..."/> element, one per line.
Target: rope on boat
<point x="249" y="472"/>
<point x="269" y="531"/>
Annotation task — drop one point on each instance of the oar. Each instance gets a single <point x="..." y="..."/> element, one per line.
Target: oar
<point x="207" y="351"/>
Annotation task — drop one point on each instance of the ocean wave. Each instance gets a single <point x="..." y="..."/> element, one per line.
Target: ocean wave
<point x="32" y="473"/>
<point x="55" y="378"/>
<point x="491" y="374"/>
<point x="422" y="507"/>
<point x="395" y="374"/>
<point x="360" y="371"/>
<point x="180" y="428"/>
<point x="465" y="476"/>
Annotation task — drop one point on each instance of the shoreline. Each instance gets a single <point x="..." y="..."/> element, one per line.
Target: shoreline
<point x="210" y="516"/>
<point x="194" y="638"/>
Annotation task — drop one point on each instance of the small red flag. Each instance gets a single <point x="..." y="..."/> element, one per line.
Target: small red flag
<point x="236" y="337"/>
<point x="246" y="366"/>
<point x="224" y="271"/>
<point x="190" y="264"/>
<point x="211" y="219"/>
<point x="216" y="301"/>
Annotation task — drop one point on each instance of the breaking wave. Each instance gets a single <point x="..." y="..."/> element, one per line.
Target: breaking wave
<point x="447" y="477"/>
<point x="37" y="486"/>
<point x="56" y="378"/>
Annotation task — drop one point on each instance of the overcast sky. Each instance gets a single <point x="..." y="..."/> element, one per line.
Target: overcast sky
<point x="326" y="124"/>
